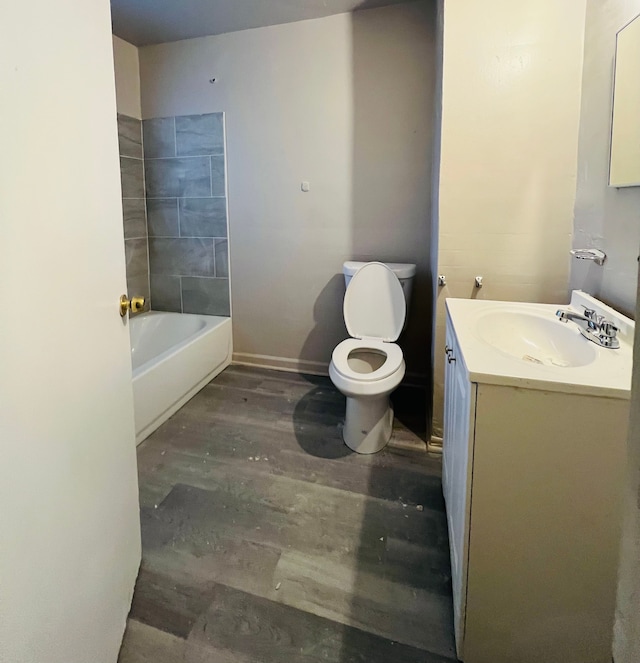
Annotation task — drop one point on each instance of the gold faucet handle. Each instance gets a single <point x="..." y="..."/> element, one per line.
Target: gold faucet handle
<point x="135" y="304"/>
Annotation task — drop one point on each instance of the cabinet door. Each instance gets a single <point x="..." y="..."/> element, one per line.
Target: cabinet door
<point x="459" y="416"/>
<point x="449" y="432"/>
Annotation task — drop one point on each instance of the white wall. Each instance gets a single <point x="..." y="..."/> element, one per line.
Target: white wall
<point x="344" y="102"/>
<point x="69" y="519"/>
<point x="511" y="101"/>
<point x="605" y="217"/>
<point x="127" y="72"/>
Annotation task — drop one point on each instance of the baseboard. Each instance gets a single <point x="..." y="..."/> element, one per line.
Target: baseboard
<point x="434" y="445"/>
<point x="281" y="363"/>
<point x="309" y="367"/>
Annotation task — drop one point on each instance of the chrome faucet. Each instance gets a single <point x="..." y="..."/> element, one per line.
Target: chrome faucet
<point x="593" y="327"/>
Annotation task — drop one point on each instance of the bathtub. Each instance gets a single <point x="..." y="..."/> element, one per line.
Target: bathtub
<point x="173" y="356"/>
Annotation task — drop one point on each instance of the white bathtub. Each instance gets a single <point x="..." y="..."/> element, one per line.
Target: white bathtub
<point x="173" y="356"/>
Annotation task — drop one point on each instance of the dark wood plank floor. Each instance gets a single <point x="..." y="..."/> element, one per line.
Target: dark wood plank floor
<point x="265" y="540"/>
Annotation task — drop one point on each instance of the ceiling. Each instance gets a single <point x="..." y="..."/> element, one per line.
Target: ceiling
<point x="144" y="22"/>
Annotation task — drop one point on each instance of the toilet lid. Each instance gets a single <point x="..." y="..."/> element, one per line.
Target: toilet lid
<point x="374" y="304"/>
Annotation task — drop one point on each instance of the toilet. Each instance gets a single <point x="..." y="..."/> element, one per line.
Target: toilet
<point x="367" y="367"/>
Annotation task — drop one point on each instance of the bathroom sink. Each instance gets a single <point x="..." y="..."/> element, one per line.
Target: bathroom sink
<point x="525" y="344"/>
<point x="535" y="339"/>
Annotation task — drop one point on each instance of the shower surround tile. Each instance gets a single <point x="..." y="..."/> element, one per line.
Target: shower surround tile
<point x="185" y="256"/>
<point x="166" y="292"/>
<point x="203" y="217"/>
<point x="134" y="217"/>
<point x="137" y="257"/>
<point x="162" y="217"/>
<point x="159" y="137"/>
<point x="130" y="137"/>
<point x="178" y="177"/>
<point x="199" y="134"/>
<point x="208" y="296"/>
<point x="138" y="286"/>
<point x="221" y="251"/>
<point x="187" y="213"/>
<point x="132" y="177"/>
<point x="218" y="181"/>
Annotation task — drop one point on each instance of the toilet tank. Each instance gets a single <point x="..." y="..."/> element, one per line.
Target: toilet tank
<point x="404" y="271"/>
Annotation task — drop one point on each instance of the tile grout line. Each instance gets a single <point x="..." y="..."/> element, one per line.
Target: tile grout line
<point x="174" y="237"/>
<point x="182" y="156"/>
<point x="210" y="164"/>
<point x="215" y="264"/>
<point x="225" y="186"/>
<point x="211" y="174"/>
<point x="180" y="198"/>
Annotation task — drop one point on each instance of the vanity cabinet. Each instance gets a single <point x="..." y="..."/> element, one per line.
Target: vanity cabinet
<point x="532" y="480"/>
<point x="460" y="401"/>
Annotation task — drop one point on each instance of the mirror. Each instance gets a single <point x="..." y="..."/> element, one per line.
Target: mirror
<point x="624" y="169"/>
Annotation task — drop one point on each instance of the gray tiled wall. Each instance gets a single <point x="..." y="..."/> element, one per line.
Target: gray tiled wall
<point x="133" y="207"/>
<point x="187" y="213"/>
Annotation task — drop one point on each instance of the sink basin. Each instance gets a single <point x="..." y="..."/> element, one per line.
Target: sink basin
<point x="524" y="344"/>
<point x="536" y="339"/>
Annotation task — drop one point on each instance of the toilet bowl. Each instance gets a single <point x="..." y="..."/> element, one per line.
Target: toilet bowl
<point x="367" y="367"/>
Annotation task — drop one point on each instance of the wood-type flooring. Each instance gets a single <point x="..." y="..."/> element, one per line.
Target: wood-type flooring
<point x="266" y="540"/>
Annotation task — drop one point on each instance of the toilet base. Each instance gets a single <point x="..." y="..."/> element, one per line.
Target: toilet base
<point x="368" y="424"/>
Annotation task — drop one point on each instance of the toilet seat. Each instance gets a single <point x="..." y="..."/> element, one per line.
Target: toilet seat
<point x="374" y="312"/>
<point x="340" y="359"/>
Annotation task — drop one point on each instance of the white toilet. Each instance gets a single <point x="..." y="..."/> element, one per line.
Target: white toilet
<point x="367" y="367"/>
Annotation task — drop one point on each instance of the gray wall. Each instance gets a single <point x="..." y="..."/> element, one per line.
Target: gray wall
<point x="609" y="218"/>
<point x="187" y="213"/>
<point x="133" y="206"/>
<point x="345" y="103"/>
<point x="605" y="217"/>
<point x="626" y="645"/>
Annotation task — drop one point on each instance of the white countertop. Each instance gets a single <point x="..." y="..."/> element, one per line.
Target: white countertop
<point x="608" y="375"/>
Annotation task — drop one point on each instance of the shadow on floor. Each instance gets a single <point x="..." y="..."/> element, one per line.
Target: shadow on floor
<point x="323" y="406"/>
<point x="401" y="547"/>
<point x="410" y="410"/>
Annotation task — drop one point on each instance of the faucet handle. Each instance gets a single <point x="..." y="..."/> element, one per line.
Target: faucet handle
<point x="607" y="328"/>
<point x="595" y="320"/>
<point x="607" y="335"/>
